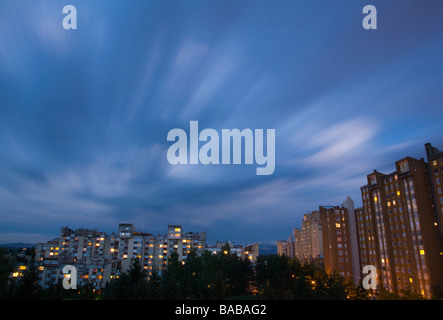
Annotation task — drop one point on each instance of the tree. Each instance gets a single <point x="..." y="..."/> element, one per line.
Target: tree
<point x="171" y="282"/>
<point x="330" y="287"/>
<point x="153" y="286"/>
<point x="28" y="287"/>
<point x="131" y="285"/>
<point x="6" y="267"/>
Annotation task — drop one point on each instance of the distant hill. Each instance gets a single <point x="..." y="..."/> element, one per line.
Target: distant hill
<point x="18" y="245"/>
<point x="267" y="248"/>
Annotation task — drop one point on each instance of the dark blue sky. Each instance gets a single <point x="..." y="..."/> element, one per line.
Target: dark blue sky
<point x="84" y="114"/>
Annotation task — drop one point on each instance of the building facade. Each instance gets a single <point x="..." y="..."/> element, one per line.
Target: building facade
<point x="435" y="164"/>
<point x="99" y="257"/>
<point x="308" y="243"/>
<point x="336" y="240"/>
<point x="398" y="229"/>
<point x="249" y="252"/>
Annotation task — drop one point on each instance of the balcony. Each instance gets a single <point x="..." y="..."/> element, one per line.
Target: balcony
<point x="404" y="174"/>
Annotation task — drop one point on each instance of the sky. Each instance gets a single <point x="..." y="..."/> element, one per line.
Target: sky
<point x="84" y="113"/>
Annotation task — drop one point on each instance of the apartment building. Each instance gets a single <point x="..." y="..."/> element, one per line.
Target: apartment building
<point x="308" y="243"/>
<point x="435" y="164"/>
<point x="249" y="252"/>
<point x="283" y="248"/>
<point x="99" y="257"/>
<point x="398" y="229"/>
<point x="336" y="240"/>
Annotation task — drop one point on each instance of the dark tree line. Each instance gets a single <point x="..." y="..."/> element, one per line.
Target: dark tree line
<point x="225" y="276"/>
<point x="205" y="277"/>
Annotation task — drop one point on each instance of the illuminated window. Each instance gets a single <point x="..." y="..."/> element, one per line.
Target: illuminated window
<point x="177" y="229"/>
<point x="398" y="193"/>
<point x="337" y="225"/>
<point x="375" y="199"/>
<point x="22" y="268"/>
<point x="422" y="252"/>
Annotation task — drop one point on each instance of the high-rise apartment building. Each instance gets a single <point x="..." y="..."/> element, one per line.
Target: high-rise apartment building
<point x="435" y="163"/>
<point x="398" y="231"/>
<point x="308" y="243"/>
<point x="336" y="240"/>
<point x="282" y="248"/>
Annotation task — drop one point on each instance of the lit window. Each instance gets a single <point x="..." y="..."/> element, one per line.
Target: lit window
<point x="398" y="193"/>
<point x="337" y="225"/>
<point x="375" y="199"/>
<point x="422" y="252"/>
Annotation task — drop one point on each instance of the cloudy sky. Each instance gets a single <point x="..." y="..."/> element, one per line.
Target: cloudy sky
<point x="84" y="114"/>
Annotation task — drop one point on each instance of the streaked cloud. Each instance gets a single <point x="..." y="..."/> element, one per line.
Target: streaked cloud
<point x="84" y="115"/>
